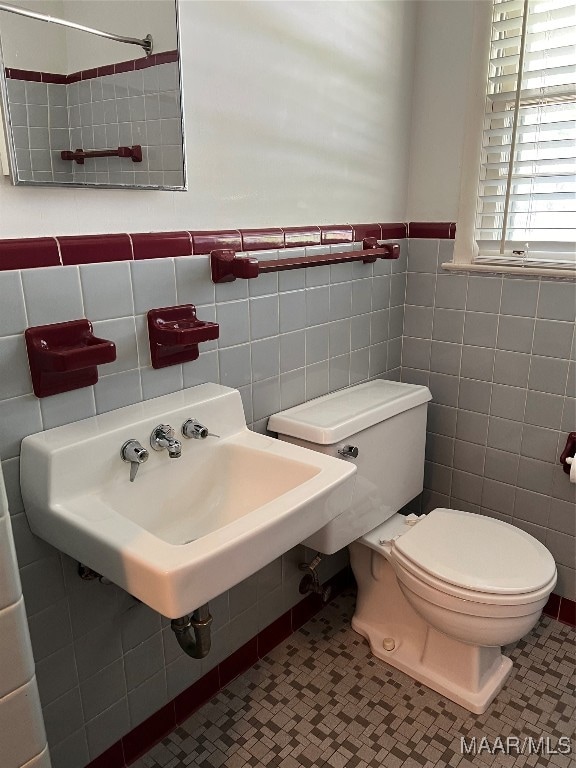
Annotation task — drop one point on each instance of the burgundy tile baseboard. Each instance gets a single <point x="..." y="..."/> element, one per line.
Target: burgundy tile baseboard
<point x="561" y="608"/>
<point x="28" y="253"/>
<point x="155" y="728"/>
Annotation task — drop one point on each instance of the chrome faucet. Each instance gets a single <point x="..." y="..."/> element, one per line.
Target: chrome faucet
<point x="162" y="437"/>
<point x="193" y="429"/>
<point x="135" y="454"/>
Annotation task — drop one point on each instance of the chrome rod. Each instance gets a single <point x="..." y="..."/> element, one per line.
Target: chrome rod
<point x="146" y="43"/>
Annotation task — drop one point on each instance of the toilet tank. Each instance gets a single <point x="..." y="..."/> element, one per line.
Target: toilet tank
<point x="386" y="422"/>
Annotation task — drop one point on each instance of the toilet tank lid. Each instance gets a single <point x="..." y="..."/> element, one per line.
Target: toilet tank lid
<point x="337" y="416"/>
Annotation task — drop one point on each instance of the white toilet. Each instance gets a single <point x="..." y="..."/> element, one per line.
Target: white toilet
<point x="437" y="595"/>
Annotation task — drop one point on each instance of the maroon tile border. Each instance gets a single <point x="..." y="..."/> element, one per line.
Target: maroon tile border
<point x="151" y="731"/>
<point x="155" y="728"/>
<point x="392" y="231"/>
<point x="262" y="239"/>
<point x="195" y="696"/>
<point x="241" y="660"/>
<point x="112" y="758"/>
<point x="157" y="245"/>
<point x="297" y="237"/>
<point x="27" y="253"/>
<point x="567" y="612"/>
<point x="87" y="249"/>
<point x="367" y="230"/>
<point x="439" y="229"/>
<point x="336" y="233"/>
<point x="205" y="242"/>
<point x="165" y="57"/>
<point x="552" y="607"/>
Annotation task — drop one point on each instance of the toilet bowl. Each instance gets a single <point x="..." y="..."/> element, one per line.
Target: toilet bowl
<point x="438" y="595"/>
<point x="426" y="608"/>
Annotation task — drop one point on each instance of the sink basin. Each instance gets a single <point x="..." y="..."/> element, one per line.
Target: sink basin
<point x="186" y="529"/>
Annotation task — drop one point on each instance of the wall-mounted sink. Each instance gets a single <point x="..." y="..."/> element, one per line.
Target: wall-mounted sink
<point x="186" y="529"/>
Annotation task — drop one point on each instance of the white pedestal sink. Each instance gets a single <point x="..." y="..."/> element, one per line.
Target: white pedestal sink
<point x="187" y="528"/>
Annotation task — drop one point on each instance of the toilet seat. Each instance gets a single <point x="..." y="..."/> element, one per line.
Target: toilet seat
<point x="461" y="598"/>
<point x="475" y="557"/>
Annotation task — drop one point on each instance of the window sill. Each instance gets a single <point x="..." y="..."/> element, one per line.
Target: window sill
<point x="555" y="272"/>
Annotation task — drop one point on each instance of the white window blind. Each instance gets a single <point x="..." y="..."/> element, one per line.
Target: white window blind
<point x="526" y="211"/>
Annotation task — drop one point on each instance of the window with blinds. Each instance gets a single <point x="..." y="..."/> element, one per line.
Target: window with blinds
<point x="526" y="211"/>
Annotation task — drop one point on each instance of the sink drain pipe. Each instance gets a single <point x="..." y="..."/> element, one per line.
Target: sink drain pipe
<point x="196" y="645"/>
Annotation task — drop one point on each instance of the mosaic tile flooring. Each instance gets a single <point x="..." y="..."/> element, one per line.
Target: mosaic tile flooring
<point x="320" y="700"/>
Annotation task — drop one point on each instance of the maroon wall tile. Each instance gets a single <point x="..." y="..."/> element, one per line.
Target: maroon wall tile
<point x="112" y="758"/>
<point x="205" y="242"/>
<point x="89" y="74"/>
<point x="393" y="231"/>
<point x="165" y="57"/>
<point x="274" y="634"/>
<point x="151" y="731"/>
<point x="23" y="74"/>
<point x="567" y="612"/>
<point x="297" y="237"/>
<point x="440" y="229"/>
<point x="156" y="245"/>
<point x="241" y="660"/>
<point x="51" y="77"/>
<point x="262" y="239"/>
<point x="196" y="695"/>
<point x="89" y="249"/>
<point x="304" y="610"/>
<point x="366" y="230"/>
<point x="552" y="606"/>
<point x="124" y="66"/>
<point x="336" y="233"/>
<point x="26" y="253"/>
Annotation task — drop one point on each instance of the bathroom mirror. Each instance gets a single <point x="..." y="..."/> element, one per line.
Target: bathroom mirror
<point x="82" y="110"/>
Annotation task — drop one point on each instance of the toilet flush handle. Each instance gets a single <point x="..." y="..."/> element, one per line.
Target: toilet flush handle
<point x="349" y="451"/>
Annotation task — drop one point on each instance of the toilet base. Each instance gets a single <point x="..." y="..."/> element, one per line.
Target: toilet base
<point x="470" y="675"/>
<point x="417" y="665"/>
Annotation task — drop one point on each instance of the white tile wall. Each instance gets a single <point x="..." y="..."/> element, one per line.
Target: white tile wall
<point x="21" y="724"/>
<point x="496" y="354"/>
<point x="284" y="338"/>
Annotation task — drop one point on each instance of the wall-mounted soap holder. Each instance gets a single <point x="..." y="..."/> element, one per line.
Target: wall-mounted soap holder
<point x="175" y="333"/>
<point x="64" y="356"/>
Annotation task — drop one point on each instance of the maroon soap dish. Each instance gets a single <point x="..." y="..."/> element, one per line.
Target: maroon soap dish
<point x="175" y="333"/>
<point x="65" y="356"/>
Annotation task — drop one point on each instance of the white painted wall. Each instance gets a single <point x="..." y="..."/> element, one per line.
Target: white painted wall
<point x="295" y="113"/>
<point x="133" y="18"/>
<point x="30" y="44"/>
<point x="443" y="72"/>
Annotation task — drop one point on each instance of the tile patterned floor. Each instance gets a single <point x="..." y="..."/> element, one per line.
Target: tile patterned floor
<point x="320" y="700"/>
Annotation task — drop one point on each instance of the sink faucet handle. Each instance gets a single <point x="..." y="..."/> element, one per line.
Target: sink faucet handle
<point x="135" y="454"/>
<point x="193" y="429"/>
<point x="162" y="437"/>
